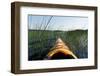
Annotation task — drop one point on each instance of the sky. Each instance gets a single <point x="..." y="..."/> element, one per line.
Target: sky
<point x="62" y="23"/>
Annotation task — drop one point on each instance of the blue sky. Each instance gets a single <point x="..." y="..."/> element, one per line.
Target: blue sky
<point x="63" y="23"/>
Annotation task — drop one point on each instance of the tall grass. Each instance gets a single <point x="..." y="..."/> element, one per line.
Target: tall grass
<point x="40" y="42"/>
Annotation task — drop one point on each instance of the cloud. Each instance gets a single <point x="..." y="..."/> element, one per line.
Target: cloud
<point x="63" y="23"/>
